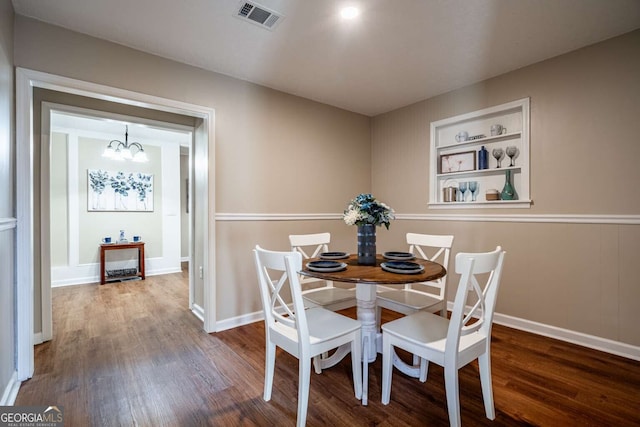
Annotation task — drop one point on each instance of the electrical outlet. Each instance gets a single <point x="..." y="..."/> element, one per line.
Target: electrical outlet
<point x="201" y="272"/>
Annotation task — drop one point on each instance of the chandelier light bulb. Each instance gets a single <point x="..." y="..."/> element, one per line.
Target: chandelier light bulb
<point x="122" y="150"/>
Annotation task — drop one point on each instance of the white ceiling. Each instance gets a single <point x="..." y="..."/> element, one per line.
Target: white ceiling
<point x="395" y="53"/>
<point x="106" y="126"/>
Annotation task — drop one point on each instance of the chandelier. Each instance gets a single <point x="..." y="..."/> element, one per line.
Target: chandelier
<point x="119" y="150"/>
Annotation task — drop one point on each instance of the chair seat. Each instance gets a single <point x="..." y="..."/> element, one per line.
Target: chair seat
<point x="409" y="298"/>
<point x="429" y="331"/>
<point x="326" y="324"/>
<point x="323" y="325"/>
<point x="326" y="296"/>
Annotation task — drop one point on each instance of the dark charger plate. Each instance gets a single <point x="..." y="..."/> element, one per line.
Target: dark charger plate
<point x="402" y="267"/>
<point x="326" y="266"/>
<point x="398" y="256"/>
<point x="334" y="255"/>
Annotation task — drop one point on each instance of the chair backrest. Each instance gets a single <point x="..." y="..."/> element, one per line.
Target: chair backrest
<point x="472" y="267"/>
<point x="432" y="248"/>
<point x="310" y="246"/>
<point x="276" y="270"/>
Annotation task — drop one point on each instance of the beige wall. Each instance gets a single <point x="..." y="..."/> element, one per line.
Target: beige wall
<point x="7" y="203"/>
<point x="584" y="150"/>
<point x="94" y="226"/>
<point x="271" y="149"/>
<point x="59" y="202"/>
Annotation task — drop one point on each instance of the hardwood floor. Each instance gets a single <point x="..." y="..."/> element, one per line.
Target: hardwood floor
<point x="132" y="353"/>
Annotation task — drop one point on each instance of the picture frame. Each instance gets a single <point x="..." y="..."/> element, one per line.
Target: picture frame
<point x="457" y="162"/>
<point x="118" y="191"/>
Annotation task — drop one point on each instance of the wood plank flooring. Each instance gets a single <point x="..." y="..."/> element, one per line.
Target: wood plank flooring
<point x="132" y="354"/>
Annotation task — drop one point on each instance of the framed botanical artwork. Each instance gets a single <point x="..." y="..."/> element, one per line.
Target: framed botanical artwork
<point x="119" y="191"/>
<point x="458" y="162"/>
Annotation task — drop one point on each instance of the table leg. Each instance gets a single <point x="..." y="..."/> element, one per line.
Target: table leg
<point x="141" y="260"/>
<point x="366" y="296"/>
<point x="102" y="275"/>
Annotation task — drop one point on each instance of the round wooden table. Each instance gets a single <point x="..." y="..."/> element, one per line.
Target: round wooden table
<point x="364" y="276"/>
<point x="374" y="274"/>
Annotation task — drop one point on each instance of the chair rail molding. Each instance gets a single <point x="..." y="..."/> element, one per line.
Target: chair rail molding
<point x="276" y="216"/>
<point x="539" y="218"/>
<point x="523" y="218"/>
<point x="8" y="223"/>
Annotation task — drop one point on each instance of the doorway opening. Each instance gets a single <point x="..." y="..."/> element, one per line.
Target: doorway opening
<point x="27" y="195"/>
<point x="72" y="143"/>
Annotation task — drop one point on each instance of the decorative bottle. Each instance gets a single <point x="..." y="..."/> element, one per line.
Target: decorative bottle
<point x="483" y="158"/>
<point x="508" y="192"/>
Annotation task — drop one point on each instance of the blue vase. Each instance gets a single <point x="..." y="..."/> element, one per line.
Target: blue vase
<point x="483" y="158"/>
<point x="367" y="244"/>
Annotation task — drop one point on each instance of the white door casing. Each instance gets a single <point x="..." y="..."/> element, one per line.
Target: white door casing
<point x="26" y="80"/>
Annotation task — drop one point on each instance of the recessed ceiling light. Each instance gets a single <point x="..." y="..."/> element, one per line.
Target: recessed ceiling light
<point x="349" y="12"/>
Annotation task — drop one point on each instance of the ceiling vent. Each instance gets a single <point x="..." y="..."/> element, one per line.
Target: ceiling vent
<point x="258" y="14"/>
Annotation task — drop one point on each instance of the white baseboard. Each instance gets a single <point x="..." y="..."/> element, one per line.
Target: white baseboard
<point x="11" y="390"/>
<point x="96" y="278"/>
<point x="597" y="343"/>
<point x="234" y="322"/>
<point x="198" y="311"/>
<point x="90" y="273"/>
<point x="161" y="271"/>
<point x="590" y="341"/>
<point x="37" y="338"/>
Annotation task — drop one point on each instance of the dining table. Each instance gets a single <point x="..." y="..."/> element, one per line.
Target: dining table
<point x="366" y="279"/>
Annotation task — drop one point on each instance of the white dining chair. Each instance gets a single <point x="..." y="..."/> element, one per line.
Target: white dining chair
<point x="452" y="343"/>
<point x="327" y="296"/>
<point x="430" y="296"/>
<point x="303" y="333"/>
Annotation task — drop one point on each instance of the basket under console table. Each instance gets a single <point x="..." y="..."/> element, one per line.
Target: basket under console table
<point x="125" y="273"/>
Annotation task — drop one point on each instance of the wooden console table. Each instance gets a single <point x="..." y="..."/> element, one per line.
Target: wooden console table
<point x="118" y="246"/>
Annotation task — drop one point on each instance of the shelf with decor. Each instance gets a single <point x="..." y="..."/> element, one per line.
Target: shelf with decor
<point x="482" y="149"/>
<point x="483" y="141"/>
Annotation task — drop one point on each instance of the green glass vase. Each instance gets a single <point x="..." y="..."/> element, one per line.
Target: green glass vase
<point x="508" y="192"/>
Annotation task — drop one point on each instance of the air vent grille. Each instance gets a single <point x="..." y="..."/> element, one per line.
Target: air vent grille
<point x="258" y="14"/>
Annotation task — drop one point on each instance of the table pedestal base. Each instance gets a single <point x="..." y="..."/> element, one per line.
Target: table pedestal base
<point x="371" y="340"/>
